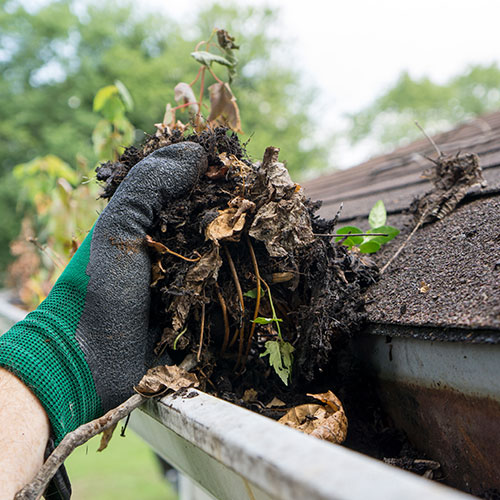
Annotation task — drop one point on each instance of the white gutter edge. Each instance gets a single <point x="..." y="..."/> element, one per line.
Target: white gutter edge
<point x="280" y="462"/>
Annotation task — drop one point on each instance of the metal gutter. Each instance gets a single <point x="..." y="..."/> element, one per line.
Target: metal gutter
<point x="235" y="454"/>
<point x="446" y="396"/>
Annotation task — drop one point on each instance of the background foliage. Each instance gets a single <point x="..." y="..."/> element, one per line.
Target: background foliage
<point x="54" y="59"/>
<point x="390" y="120"/>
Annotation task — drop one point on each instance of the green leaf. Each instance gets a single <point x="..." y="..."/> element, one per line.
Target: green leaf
<point x="125" y="95"/>
<point x="391" y="232"/>
<point x="253" y="293"/>
<point x="369" y="247"/>
<point x="206" y="58"/>
<point x="265" y="321"/>
<point x="378" y="214"/>
<point x="280" y="358"/>
<point x="103" y="95"/>
<point x="353" y="240"/>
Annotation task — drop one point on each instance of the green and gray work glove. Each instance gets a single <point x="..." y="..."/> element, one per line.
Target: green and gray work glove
<point x="87" y="344"/>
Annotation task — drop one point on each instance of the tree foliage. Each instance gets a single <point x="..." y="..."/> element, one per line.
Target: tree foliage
<point x="53" y="60"/>
<point x="390" y="120"/>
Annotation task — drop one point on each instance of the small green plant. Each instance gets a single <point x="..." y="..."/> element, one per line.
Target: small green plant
<point x="280" y="352"/>
<point x="371" y="240"/>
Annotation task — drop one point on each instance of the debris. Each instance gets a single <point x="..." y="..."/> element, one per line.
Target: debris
<point x="161" y="379"/>
<point x="327" y="421"/>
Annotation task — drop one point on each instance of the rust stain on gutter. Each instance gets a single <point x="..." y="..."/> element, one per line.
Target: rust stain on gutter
<point x="460" y="431"/>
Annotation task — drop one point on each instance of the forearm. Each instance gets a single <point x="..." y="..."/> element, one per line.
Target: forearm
<point x="24" y="432"/>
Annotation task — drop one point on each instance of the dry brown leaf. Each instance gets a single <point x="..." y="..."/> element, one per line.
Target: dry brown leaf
<point x="250" y="395"/>
<point x="106" y="436"/>
<point x="204" y="271"/>
<point x="184" y="93"/>
<point x="161" y="379"/>
<point x="327" y="421"/>
<point x="275" y="403"/>
<point x="224" y="109"/>
<point x="226" y="225"/>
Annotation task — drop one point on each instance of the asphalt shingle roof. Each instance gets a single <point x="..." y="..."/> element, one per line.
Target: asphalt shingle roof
<point x="449" y="273"/>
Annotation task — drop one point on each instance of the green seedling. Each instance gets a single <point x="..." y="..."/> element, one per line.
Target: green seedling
<point x="371" y="241"/>
<point x="280" y="352"/>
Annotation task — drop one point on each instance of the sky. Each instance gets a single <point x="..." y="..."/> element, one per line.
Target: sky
<point x="353" y="50"/>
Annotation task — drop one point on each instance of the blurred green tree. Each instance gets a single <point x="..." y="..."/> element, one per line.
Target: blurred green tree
<point x="390" y="120"/>
<point x="54" y="58"/>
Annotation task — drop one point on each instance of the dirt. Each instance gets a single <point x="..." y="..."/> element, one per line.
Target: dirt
<point x="242" y="207"/>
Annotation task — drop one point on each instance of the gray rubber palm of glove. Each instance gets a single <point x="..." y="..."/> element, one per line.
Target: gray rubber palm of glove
<point x="113" y="328"/>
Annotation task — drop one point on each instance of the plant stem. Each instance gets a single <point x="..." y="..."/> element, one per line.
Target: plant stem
<point x="202" y="331"/>
<point x="275" y="318"/>
<point x="224" y="316"/>
<point x="196" y="79"/>
<point x="257" y="300"/>
<point x="202" y="89"/>
<point x="218" y="80"/>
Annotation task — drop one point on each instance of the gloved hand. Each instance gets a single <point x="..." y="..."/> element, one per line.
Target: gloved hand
<point x="87" y="344"/>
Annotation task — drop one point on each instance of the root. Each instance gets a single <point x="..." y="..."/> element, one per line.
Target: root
<point x="224" y="316"/>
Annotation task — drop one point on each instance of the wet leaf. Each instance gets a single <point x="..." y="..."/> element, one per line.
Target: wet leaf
<point x="106" y="436"/>
<point x="184" y="94"/>
<point x="250" y="395"/>
<point x="162" y="379"/>
<point x="325" y="421"/>
<point x="226" y="41"/>
<point x="207" y="58"/>
<point x="378" y="214"/>
<point x="280" y="357"/>
<point x="226" y="225"/>
<point x="275" y="403"/>
<point x="223" y="107"/>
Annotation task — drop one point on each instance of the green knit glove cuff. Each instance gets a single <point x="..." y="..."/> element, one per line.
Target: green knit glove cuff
<point x="43" y="352"/>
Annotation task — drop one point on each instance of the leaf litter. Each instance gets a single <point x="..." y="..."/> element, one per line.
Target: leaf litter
<point x="241" y="282"/>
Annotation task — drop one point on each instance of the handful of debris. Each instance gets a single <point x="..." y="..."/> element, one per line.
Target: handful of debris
<point x="243" y="277"/>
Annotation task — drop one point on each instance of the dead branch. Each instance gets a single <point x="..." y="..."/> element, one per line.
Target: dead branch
<point x="34" y="489"/>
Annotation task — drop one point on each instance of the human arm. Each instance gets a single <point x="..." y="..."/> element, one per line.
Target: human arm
<point x="82" y="350"/>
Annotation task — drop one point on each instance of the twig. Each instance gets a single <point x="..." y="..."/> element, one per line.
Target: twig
<point x="257" y="300"/>
<point x="349" y="234"/>
<point x="35" y="488"/>
<point x="240" y="297"/>
<point x="429" y="138"/>
<point x="224" y="316"/>
<point x="400" y="249"/>
<point x="202" y="331"/>
<point x="56" y="259"/>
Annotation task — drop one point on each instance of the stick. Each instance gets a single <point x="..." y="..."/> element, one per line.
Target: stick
<point x="242" y="303"/>
<point x="34" y="489"/>
<point x="349" y="234"/>
<point x="400" y="249"/>
<point x="429" y="138"/>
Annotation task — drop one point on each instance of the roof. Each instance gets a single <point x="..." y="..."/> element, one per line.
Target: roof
<point x="449" y="273"/>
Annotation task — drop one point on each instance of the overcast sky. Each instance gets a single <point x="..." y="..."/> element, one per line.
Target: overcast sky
<point x="353" y="50"/>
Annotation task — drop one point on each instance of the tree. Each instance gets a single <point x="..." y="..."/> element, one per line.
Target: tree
<point x="54" y="59"/>
<point x="390" y="120"/>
